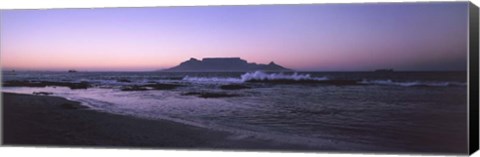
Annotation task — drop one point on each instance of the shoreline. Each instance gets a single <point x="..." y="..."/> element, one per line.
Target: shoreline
<point x="31" y="120"/>
<point x="45" y="121"/>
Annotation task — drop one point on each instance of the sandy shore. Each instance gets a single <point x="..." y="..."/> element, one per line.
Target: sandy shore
<point x="55" y="121"/>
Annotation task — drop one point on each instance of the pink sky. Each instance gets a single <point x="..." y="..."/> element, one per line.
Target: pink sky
<point x="423" y="36"/>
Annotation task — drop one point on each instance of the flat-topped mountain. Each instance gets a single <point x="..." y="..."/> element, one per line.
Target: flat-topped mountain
<point x="224" y="64"/>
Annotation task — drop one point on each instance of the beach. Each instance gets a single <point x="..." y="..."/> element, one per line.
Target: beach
<point x="309" y="111"/>
<point x="30" y="120"/>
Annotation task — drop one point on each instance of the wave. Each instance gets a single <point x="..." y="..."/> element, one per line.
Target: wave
<point x="295" y="78"/>
<point x="256" y="76"/>
<point x="212" y="79"/>
<point x="411" y="83"/>
<point x="259" y="75"/>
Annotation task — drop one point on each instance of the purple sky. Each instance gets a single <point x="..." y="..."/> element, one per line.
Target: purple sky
<point x="324" y="37"/>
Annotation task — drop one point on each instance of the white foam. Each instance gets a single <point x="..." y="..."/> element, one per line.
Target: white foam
<point x="257" y="75"/>
<point x="412" y="83"/>
<point x="212" y="79"/>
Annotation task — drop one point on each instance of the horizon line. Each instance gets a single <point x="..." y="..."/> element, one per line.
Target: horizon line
<point x="161" y="70"/>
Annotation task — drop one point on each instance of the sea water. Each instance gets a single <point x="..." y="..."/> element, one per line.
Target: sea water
<point x="382" y="111"/>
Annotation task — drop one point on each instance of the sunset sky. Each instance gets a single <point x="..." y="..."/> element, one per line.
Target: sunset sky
<point x="326" y="37"/>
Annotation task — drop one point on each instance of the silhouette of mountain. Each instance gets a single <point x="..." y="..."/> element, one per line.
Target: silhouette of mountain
<point x="224" y="64"/>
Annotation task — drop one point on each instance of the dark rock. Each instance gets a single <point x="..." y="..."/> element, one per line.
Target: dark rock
<point x="134" y="88"/>
<point x="124" y="80"/>
<point x="42" y="93"/>
<point x="191" y="93"/>
<point x="216" y="95"/>
<point x="23" y="84"/>
<point x="209" y="94"/>
<point x="234" y="87"/>
<point x="81" y="85"/>
<point x="71" y="85"/>
<point x="160" y="86"/>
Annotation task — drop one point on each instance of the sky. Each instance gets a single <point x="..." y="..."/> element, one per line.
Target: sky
<point x="321" y="37"/>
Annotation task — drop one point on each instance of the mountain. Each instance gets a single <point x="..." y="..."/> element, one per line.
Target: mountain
<point x="224" y="64"/>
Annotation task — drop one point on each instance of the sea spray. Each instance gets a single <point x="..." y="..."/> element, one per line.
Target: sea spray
<point x="212" y="79"/>
<point x="257" y="75"/>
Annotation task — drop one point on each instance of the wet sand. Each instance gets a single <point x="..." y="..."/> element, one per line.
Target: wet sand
<point x="30" y="120"/>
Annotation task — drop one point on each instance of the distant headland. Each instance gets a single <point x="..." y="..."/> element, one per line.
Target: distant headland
<point x="224" y="64"/>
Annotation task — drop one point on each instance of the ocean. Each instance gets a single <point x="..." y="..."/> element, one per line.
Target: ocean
<point x="357" y="111"/>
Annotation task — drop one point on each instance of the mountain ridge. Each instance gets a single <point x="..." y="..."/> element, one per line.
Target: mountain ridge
<point x="223" y="64"/>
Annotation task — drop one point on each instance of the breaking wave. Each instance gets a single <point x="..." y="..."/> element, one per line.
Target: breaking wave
<point x="412" y="83"/>
<point x="257" y="75"/>
<point x="212" y="79"/>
